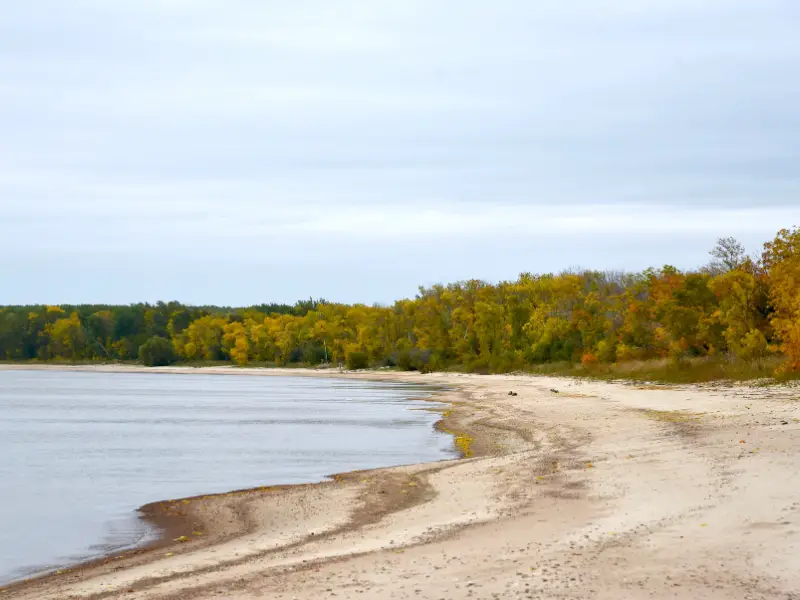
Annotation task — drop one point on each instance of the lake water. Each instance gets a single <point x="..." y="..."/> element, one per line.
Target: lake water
<point x="80" y="451"/>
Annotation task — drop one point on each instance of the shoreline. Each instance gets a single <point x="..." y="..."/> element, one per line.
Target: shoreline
<point x="574" y="489"/>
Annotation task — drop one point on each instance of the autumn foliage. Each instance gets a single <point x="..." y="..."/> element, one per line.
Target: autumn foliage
<point x="781" y="259"/>
<point x="735" y="307"/>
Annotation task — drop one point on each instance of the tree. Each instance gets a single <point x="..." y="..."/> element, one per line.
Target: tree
<point x="737" y="305"/>
<point x="12" y="334"/>
<point x="157" y="352"/>
<point x="357" y="360"/>
<point x="741" y="306"/>
<point x="728" y="255"/>
<point x="235" y="341"/>
<point x="781" y="258"/>
<point x="65" y="337"/>
<point x="99" y="329"/>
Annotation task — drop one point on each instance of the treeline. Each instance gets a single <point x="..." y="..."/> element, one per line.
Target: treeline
<point x="103" y="332"/>
<point x="737" y="306"/>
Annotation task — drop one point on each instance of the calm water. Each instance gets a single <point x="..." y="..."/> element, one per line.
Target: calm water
<point x="79" y="452"/>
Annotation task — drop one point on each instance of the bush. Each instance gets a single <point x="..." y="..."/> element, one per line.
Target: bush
<point x="314" y="354"/>
<point x="412" y="360"/>
<point x="157" y="352"/>
<point x="357" y="360"/>
<point x="754" y="345"/>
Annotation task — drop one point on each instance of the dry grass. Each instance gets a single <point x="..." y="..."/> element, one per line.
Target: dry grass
<point x="672" y="416"/>
<point x="689" y="370"/>
<point x="683" y="423"/>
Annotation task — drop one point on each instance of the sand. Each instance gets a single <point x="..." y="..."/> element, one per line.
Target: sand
<point x="573" y="490"/>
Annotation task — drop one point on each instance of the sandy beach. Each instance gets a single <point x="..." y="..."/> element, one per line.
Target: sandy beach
<point x="568" y="489"/>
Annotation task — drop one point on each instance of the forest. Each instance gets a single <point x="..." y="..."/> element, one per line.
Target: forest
<point x="736" y="308"/>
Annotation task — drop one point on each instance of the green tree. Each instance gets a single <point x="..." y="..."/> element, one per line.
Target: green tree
<point x="357" y="360"/>
<point x="157" y="352"/>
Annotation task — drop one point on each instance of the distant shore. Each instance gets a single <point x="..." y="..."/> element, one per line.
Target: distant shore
<point x="572" y="489"/>
<point x="180" y="370"/>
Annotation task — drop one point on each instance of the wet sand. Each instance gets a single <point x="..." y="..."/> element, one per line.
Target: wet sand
<point x="570" y="490"/>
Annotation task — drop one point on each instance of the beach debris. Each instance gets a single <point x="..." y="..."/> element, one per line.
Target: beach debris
<point x="512" y="393"/>
<point x="554" y="390"/>
<point x="181" y="539"/>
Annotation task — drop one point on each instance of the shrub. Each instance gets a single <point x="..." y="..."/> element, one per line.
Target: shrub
<point x="403" y="360"/>
<point x="314" y="354"/>
<point x="754" y="345"/>
<point x="606" y="351"/>
<point x="157" y="352"/>
<point x="436" y="362"/>
<point x="357" y="360"/>
<point x="412" y="360"/>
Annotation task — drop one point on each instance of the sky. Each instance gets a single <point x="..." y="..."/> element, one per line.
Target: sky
<point x="245" y="151"/>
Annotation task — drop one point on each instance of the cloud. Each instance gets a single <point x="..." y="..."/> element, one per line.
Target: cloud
<point x="420" y="140"/>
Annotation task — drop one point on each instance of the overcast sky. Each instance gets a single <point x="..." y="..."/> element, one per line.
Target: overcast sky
<point x="246" y="151"/>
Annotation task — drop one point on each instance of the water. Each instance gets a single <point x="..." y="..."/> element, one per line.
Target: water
<point x="79" y="451"/>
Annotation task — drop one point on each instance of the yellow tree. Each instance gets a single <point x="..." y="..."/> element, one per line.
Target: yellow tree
<point x="65" y="337"/>
<point x="331" y="329"/>
<point x="202" y="339"/>
<point x="490" y="328"/>
<point x="463" y="337"/>
<point x="261" y="341"/>
<point x="288" y="337"/>
<point x="739" y="313"/>
<point x="781" y="258"/>
<point x="433" y="319"/>
<point x="236" y="343"/>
